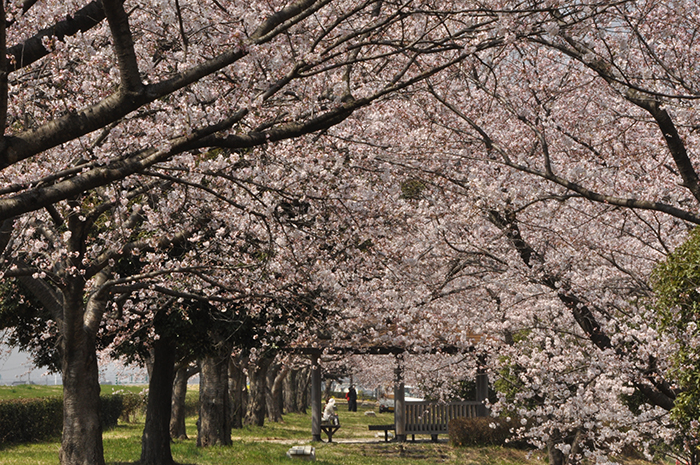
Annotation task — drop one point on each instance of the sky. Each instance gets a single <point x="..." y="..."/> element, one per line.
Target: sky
<point x="16" y="367"/>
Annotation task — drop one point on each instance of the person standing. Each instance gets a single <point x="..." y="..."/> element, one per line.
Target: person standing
<point x="352" y="399"/>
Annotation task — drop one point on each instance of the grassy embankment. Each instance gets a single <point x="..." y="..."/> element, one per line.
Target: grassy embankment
<point x="269" y="444"/>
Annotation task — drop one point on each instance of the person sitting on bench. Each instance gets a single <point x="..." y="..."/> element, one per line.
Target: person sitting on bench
<point x="329" y="414"/>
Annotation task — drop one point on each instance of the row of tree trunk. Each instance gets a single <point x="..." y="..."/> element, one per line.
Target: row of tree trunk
<point x="234" y="392"/>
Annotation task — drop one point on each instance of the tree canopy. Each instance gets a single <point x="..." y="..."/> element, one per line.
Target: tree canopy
<point x="505" y="177"/>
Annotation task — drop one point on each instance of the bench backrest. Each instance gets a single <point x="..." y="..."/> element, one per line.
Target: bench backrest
<point x="432" y="417"/>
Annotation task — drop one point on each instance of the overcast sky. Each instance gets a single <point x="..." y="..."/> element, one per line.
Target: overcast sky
<point x="16" y="367"/>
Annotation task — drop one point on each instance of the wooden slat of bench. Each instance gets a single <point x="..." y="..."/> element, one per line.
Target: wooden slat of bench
<point x="381" y="427"/>
<point x="426" y="431"/>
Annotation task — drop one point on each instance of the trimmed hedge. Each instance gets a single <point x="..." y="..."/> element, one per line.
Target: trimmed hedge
<point x="111" y="408"/>
<point x="32" y="420"/>
<point x="481" y="431"/>
<point x="29" y="420"/>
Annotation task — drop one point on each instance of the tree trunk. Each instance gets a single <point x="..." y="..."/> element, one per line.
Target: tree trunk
<point x="257" y="374"/>
<point x="81" y="443"/>
<point x="289" y="392"/>
<point x="177" y="407"/>
<point x="303" y="383"/>
<point x="155" y="443"/>
<point x="556" y="457"/>
<point x="237" y="389"/>
<point x="327" y="386"/>
<point x="273" y="391"/>
<point x="214" y="427"/>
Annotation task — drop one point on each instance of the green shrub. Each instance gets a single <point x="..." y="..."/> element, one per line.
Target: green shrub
<point x="481" y="431"/>
<point x="110" y="410"/>
<point x="30" y="420"/>
<point x="132" y="405"/>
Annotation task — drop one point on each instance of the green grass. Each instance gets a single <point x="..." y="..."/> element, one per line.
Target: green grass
<point x="269" y="444"/>
<point x="29" y="391"/>
<point x="298" y="426"/>
<point x="34" y="391"/>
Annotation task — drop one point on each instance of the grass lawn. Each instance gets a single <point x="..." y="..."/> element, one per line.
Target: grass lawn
<point x="268" y="445"/>
<point x="34" y="391"/>
<point x="29" y="391"/>
<point x="256" y="446"/>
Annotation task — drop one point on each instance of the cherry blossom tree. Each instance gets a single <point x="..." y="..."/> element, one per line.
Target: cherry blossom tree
<point x="621" y="94"/>
<point x="94" y="93"/>
<point x="166" y="79"/>
<point x="539" y="146"/>
<point x="551" y="283"/>
<point x="488" y="195"/>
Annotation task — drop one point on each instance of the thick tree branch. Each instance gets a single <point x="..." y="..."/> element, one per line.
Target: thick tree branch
<point x="285" y="18"/>
<point x="123" y="44"/>
<point x="32" y="49"/>
<point x="6" y="228"/>
<point x="673" y="140"/>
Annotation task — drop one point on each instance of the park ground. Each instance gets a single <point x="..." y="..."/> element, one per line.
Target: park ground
<point x="353" y="444"/>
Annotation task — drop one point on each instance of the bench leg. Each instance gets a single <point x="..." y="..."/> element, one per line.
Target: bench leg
<point x="434" y="437"/>
<point x="386" y="435"/>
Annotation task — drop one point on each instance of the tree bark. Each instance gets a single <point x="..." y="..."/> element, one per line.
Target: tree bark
<point x="237" y="388"/>
<point x="257" y="374"/>
<point x="327" y="386"/>
<point x="81" y="443"/>
<point x="214" y="427"/>
<point x="556" y="457"/>
<point x="289" y="392"/>
<point x="155" y="443"/>
<point x="273" y="391"/>
<point x="303" y="383"/>
<point x="177" y="406"/>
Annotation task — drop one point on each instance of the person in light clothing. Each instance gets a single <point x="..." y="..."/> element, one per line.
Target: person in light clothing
<point x="329" y="414"/>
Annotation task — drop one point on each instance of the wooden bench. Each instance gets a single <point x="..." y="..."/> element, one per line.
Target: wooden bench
<point x="384" y="428"/>
<point x="330" y="430"/>
<point x="432" y="417"/>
